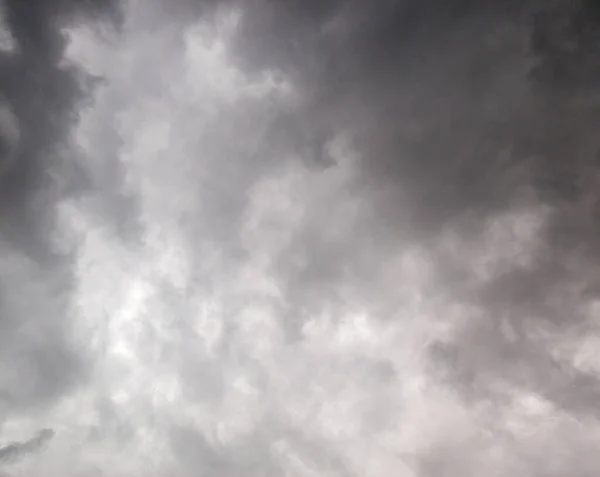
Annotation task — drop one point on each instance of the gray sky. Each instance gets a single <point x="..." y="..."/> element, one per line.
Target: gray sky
<point x="270" y="238"/>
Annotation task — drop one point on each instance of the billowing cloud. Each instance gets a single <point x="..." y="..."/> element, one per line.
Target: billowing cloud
<point x="346" y="238"/>
<point x="40" y="96"/>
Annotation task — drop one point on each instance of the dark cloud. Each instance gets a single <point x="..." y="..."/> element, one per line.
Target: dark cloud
<point x="44" y="94"/>
<point x="460" y="111"/>
<point x="16" y="450"/>
<point x="41" y="98"/>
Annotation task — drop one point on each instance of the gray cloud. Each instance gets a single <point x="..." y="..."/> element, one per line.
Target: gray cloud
<point x="423" y="306"/>
<point x="460" y="112"/>
<point x="16" y="450"/>
<point x="41" y="96"/>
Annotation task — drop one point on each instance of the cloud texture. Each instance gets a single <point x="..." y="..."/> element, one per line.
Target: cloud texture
<point x="273" y="238"/>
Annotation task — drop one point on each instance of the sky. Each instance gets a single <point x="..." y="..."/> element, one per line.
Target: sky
<point x="337" y="238"/>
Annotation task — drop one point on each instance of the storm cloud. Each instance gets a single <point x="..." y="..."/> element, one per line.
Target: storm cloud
<point x="279" y="238"/>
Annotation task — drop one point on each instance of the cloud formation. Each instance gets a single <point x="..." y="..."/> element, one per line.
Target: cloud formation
<point x="17" y="449"/>
<point x="346" y="238"/>
<point x="40" y="97"/>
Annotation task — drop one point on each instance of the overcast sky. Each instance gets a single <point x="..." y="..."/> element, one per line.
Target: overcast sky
<point x="336" y="238"/>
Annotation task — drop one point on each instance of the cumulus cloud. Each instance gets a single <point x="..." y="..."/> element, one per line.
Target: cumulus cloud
<point x="273" y="238"/>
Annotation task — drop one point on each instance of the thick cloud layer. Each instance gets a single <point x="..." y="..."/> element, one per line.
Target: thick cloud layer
<point x="348" y="238"/>
<point x="40" y="96"/>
